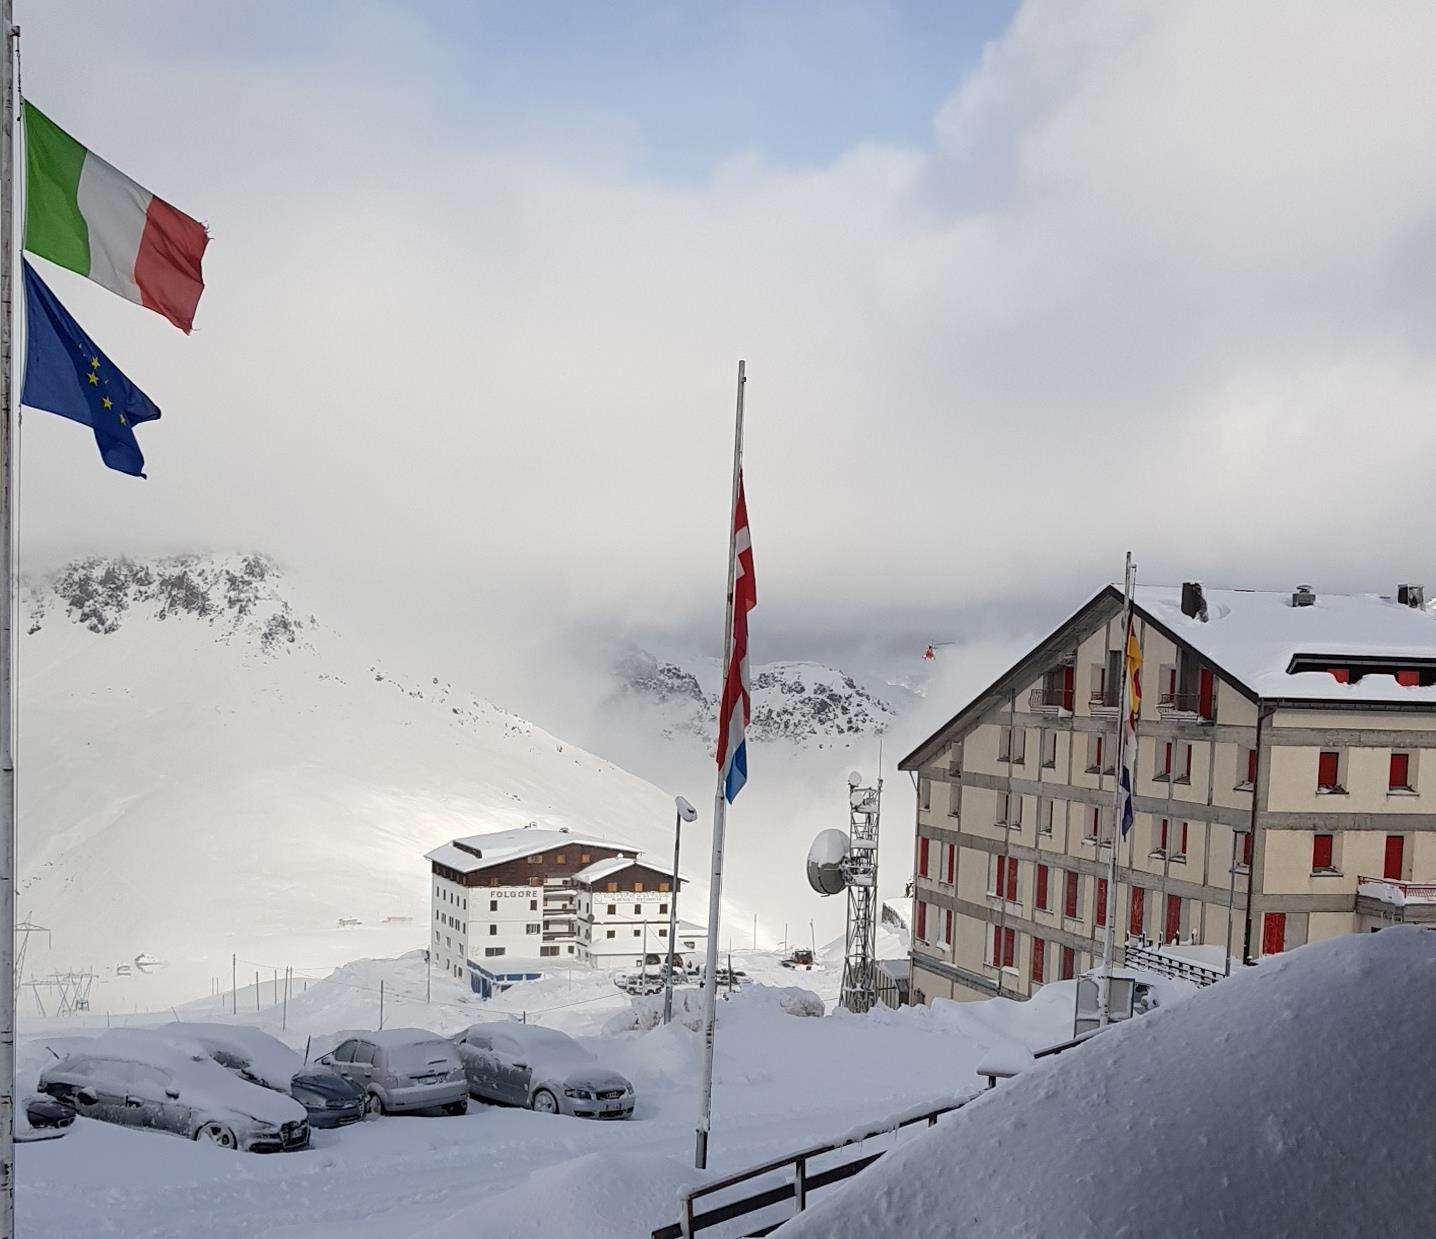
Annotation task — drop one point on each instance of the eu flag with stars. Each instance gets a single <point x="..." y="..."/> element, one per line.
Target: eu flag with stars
<point x="66" y="374"/>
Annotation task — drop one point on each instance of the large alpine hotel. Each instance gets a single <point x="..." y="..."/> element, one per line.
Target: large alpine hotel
<point x="1282" y="790"/>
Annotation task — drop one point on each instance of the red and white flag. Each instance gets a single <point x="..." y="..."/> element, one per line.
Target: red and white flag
<point x="735" y="709"/>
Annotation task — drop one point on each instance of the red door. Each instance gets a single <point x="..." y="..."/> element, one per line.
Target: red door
<point x="1206" y="694"/>
<point x="1273" y="933"/>
<point x="1138" y="910"/>
<point x="1173" y="929"/>
<point x="1395" y="853"/>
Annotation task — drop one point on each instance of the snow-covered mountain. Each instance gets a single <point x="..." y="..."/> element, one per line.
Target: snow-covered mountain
<point x="806" y="703"/>
<point x="207" y="770"/>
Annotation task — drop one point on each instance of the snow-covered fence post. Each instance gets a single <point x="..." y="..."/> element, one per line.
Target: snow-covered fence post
<point x="256" y="990"/>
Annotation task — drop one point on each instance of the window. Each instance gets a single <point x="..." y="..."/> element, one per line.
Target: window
<point x="1094" y="824"/>
<point x="663" y="909"/>
<point x="1136" y="919"/>
<point x="1163" y="831"/>
<point x="1069" y="963"/>
<point x="1399" y="778"/>
<point x="1042" y="887"/>
<point x="636" y="932"/>
<point x="923" y="849"/>
<point x="924" y="793"/>
<point x="560" y="859"/>
<point x="947" y="933"/>
<point x="1012" y="744"/>
<point x="493" y="905"/>
<point x="1321" y="854"/>
<point x="1004" y="947"/>
<point x="493" y="930"/>
<point x="1244" y="850"/>
<point x="954" y="762"/>
<point x="663" y="932"/>
<point x="1328" y="771"/>
<point x="534" y="860"/>
<point x="921" y="921"/>
<point x="1039" y="957"/>
<point x="1005" y="884"/>
<point x="533" y="929"/>
<point x="1182" y="853"/>
<point x="613" y="909"/>
<point x="1249" y="776"/>
<point x="1273" y="933"/>
<point x="1408" y="677"/>
<point x="950" y="870"/>
<point x="1166" y="771"/>
<point x="612" y="886"/>
<point x="1069" y="897"/>
<point x="1049" y="750"/>
<point x="638" y="909"/>
<point x="1094" y="753"/>
<point x="1101" y="901"/>
<point x="610" y="934"/>
<point x="491" y="951"/>
<point x="547" y="951"/>
<point x="1394" y="860"/>
<point x="1009" y="808"/>
<point x="638" y="886"/>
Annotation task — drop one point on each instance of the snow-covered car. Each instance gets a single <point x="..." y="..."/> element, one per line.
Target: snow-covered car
<point x="42" y="1118"/>
<point x="525" y="1065"/>
<point x="402" y="1070"/>
<point x="253" y="1055"/>
<point x="142" y="1078"/>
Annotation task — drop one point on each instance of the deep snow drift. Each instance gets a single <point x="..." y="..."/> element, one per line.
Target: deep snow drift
<point x="1295" y="1099"/>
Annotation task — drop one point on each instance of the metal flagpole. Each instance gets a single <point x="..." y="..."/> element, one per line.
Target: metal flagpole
<point x="7" y="648"/>
<point x="1104" y="988"/>
<point x="720" y="813"/>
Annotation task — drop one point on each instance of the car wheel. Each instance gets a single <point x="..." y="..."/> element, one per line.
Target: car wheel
<point x="374" y="1105"/>
<point x="217" y="1134"/>
<point x="457" y="1107"/>
<point x="544" y="1102"/>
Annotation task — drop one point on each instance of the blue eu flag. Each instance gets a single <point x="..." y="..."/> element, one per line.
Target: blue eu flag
<point x="66" y="374"/>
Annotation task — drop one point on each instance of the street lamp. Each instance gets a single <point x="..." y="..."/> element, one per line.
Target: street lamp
<point x="685" y="813"/>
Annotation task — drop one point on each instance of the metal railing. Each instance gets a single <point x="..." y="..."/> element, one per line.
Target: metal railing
<point x="1188" y="702"/>
<point x="1045" y="699"/>
<point x="1153" y="960"/>
<point x="798" y="1189"/>
<point x="1408" y="892"/>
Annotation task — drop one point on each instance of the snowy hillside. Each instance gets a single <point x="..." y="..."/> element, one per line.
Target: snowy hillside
<point x="206" y="769"/>
<point x="803" y="702"/>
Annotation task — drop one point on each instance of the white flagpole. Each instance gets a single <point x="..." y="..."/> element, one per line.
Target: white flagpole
<point x="7" y="649"/>
<point x="720" y="813"/>
<point x="1104" y="987"/>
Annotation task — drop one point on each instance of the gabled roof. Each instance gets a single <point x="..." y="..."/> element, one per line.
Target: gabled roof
<point x="601" y="869"/>
<point x="1250" y="638"/>
<point x="474" y="852"/>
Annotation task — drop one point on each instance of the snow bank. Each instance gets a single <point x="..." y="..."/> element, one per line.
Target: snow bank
<point x="1293" y="1099"/>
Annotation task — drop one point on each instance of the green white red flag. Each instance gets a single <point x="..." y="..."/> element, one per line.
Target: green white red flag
<point x="85" y="214"/>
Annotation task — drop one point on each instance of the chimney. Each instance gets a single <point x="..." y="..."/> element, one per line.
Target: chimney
<point x="1413" y="596"/>
<point x="1303" y="597"/>
<point x="1194" y="602"/>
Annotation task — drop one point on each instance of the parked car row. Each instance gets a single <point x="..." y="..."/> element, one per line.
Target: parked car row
<point x="239" y="1088"/>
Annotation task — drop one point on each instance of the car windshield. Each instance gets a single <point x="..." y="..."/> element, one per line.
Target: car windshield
<point x="422" y="1057"/>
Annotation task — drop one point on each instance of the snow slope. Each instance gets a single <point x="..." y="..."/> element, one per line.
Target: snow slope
<point x="207" y="770"/>
<point x="1294" y="1099"/>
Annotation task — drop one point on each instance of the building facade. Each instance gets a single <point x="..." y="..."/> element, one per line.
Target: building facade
<point x="1279" y="792"/>
<point x="623" y="910"/>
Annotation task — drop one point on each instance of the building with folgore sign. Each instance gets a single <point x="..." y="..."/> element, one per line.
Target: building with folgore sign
<point x="1283" y="793"/>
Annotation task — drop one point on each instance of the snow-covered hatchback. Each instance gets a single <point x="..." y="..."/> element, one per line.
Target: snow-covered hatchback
<point x="525" y="1065"/>
<point x="143" y="1079"/>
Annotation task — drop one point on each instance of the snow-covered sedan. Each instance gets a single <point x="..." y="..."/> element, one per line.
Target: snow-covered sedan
<point x="525" y="1065"/>
<point x="140" y="1078"/>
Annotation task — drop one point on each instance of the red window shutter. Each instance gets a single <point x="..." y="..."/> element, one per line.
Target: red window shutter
<point x="951" y="863"/>
<point x="996" y="946"/>
<point x="1039" y="958"/>
<point x="1135" y="922"/>
<point x="1069" y="676"/>
<point x="1173" y="929"/>
<point x="1099" y="752"/>
<point x="921" y="921"/>
<point x="1070" y="906"/>
<point x="1410" y="678"/>
<point x="999" y="881"/>
<point x="1342" y="675"/>
<point x="1247" y="849"/>
<point x="1101" y="901"/>
<point x="1011" y="880"/>
<point x="1167" y="758"/>
<point x="1009" y="948"/>
<point x="1069" y="963"/>
<point x="1273" y="933"/>
<point x="1251" y="766"/>
<point x="1320" y="852"/>
<point x="1184" y="839"/>
<point x="1206" y="694"/>
<point x="1162" y="837"/>
<point x="1395" y="856"/>
<point x="1400" y="770"/>
<point x="1326" y="770"/>
<point x="1042" y="887"/>
<point x="1187" y="769"/>
<point x="922" y="851"/>
<point x="949" y="927"/>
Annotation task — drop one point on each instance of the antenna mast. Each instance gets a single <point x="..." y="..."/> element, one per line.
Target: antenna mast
<point x="860" y="869"/>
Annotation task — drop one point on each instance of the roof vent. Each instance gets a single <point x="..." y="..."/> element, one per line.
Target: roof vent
<point x="1411" y="596"/>
<point x="1303" y="597"/>
<point x="1194" y="602"/>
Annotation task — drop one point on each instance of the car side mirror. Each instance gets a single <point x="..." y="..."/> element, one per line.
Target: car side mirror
<point x="172" y="1094"/>
<point x="326" y="1061"/>
<point x="87" y="1097"/>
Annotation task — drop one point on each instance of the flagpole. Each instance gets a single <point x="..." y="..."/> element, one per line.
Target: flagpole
<point x="7" y="649"/>
<point x="1104" y="988"/>
<point x="720" y="812"/>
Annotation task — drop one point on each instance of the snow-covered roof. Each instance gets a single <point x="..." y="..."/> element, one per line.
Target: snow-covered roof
<point x="1254" y="635"/>
<point x="601" y="869"/>
<point x="389" y="1037"/>
<point x="505" y="845"/>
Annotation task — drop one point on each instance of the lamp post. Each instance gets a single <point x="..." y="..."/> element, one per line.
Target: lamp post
<point x="685" y="813"/>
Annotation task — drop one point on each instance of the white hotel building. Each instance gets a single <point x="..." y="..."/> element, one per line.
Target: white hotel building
<point x="508" y="905"/>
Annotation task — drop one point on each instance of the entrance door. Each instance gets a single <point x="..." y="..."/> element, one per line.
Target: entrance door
<point x="1206" y="694"/>
<point x="1138" y="918"/>
<point x="1395" y="855"/>
<point x="1173" y="928"/>
<point x="1273" y="933"/>
<point x="1069" y="691"/>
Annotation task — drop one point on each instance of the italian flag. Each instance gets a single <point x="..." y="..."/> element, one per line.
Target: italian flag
<point x="87" y="215"/>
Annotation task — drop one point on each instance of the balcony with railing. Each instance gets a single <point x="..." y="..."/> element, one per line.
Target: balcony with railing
<point x="1180" y="704"/>
<point x="1391" y="900"/>
<point x="1050" y="699"/>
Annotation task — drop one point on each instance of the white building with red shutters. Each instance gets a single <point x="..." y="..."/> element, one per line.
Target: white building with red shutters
<point x="1282" y="790"/>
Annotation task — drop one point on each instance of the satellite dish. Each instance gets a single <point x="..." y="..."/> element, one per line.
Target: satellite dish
<point x="855" y="779"/>
<point x="825" y="861"/>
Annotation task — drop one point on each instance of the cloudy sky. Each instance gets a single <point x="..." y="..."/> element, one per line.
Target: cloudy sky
<point x="1018" y="287"/>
